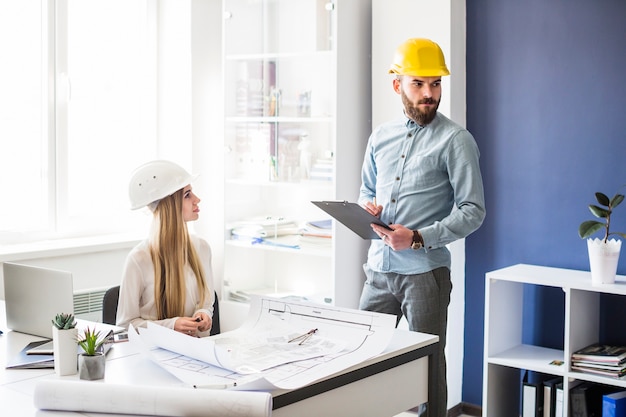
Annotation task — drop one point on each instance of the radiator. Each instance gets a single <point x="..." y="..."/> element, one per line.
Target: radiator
<point x="88" y="304"/>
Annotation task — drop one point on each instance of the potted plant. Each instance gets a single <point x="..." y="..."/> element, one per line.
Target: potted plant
<point x="92" y="361"/>
<point x="64" y="334"/>
<point x="603" y="254"/>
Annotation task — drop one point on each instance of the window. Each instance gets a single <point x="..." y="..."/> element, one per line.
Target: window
<point x="78" y="93"/>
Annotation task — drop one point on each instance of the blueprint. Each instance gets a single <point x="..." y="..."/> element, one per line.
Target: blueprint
<point x="260" y="356"/>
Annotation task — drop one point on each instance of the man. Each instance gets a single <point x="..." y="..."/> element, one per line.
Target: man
<point x="421" y="176"/>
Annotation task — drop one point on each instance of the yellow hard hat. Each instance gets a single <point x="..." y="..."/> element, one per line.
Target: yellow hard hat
<point x="419" y="57"/>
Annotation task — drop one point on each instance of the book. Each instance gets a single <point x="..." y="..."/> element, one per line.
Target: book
<point x="600" y="353"/>
<point x="25" y="361"/>
<point x="558" y="407"/>
<point x="549" y="396"/>
<point x="614" y="404"/>
<point x="532" y="395"/>
<point x="586" y="399"/>
<point x="597" y="371"/>
<point x="607" y="366"/>
<point x="531" y="400"/>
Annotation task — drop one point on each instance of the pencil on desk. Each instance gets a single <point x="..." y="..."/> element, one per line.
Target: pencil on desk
<point x="216" y="386"/>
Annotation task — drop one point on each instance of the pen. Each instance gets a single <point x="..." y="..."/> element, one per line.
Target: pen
<point x="216" y="386"/>
<point x="303" y="337"/>
<point x="375" y="200"/>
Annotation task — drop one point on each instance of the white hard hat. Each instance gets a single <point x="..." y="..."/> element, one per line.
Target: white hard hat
<point x="155" y="180"/>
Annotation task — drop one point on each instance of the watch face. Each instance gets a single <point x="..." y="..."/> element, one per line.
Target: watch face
<point x="416" y="245"/>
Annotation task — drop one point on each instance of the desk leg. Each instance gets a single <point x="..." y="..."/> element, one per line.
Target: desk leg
<point x="433" y="382"/>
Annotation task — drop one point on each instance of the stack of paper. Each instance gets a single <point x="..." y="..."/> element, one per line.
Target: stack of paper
<point x="605" y="360"/>
<point x="317" y="232"/>
<point x="262" y="227"/>
<point x="322" y="170"/>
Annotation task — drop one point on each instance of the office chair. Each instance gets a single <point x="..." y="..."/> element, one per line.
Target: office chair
<point x="111" y="298"/>
<point x="109" y="305"/>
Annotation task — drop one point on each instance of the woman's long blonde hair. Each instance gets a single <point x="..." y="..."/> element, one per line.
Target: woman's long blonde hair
<point x="171" y="250"/>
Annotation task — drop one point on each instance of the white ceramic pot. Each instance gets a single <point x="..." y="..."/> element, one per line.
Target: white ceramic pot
<point x="91" y="367"/>
<point x="65" y="349"/>
<point x="603" y="259"/>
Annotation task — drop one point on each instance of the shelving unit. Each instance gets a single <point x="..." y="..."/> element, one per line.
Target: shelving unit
<point x="297" y="106"/>
<point x="505" y="355"/>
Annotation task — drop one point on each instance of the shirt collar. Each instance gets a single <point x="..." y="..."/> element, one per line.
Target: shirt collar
<point x="410" y="124"/>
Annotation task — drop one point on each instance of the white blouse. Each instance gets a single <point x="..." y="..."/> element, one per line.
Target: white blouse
<point x="136" y="303"/>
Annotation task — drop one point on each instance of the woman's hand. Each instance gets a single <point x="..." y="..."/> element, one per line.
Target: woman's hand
<point x="204" y="322"/>
<point x="187" y="325"/>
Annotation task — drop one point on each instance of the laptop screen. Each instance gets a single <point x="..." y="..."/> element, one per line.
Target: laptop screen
<point x="34" y="295"/>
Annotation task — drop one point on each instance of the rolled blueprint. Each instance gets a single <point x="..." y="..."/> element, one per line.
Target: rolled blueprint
<point x="150" y="400"/>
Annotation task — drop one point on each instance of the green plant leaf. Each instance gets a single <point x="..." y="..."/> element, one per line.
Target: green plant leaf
<point x="599" y="211"/>
<point x="589" y="227"/>
<point x="90" y="343"/>
<point x="616" y="200"/>
<point x="64" y="321"/>
<point x="602" y="199"/>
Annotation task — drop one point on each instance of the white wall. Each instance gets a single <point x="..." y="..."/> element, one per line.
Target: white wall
<point x="443" y="21"/>
<point x="94" y="265"/>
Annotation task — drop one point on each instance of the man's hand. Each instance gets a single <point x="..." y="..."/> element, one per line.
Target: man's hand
<point x="372" y="208"/>
<point x="399" y="238"/>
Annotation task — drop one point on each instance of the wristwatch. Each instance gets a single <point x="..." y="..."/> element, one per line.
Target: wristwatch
<point x="418" y="242"/>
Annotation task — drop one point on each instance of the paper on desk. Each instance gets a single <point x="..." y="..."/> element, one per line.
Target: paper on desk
<point x="86" y="396"/>
<point x="345" y="337"/>
<point x="249" y="350"/>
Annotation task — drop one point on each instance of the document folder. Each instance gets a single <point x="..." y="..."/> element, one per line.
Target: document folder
<point x="353" y="216"/>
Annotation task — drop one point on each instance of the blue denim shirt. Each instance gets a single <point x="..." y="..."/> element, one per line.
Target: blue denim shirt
<point x="427" y="178"/>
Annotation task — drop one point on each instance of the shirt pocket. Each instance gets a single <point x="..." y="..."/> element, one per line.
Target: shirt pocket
<point x="424" y="172"/>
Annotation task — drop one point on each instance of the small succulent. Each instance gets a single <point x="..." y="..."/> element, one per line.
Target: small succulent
<point x="90" y="342"/>
<point x="64" y="321"/>
<point x="589" y="227"/>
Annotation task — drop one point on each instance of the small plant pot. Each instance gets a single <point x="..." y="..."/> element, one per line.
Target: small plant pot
<point x="64" y="348"/>
<point x="91" y="367"/>
<point x="603" y="259"/>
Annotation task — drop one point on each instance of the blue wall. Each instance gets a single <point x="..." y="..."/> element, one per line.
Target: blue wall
<point x="546" y="97"/>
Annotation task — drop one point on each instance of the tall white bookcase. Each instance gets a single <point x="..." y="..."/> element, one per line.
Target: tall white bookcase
<point x="297" y="117"/>
<point x="505" y="356"/>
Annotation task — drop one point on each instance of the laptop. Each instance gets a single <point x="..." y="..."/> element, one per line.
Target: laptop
<point x="34" y="295"/>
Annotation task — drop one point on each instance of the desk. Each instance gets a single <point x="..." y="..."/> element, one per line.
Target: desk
<point x="394" y="381"/>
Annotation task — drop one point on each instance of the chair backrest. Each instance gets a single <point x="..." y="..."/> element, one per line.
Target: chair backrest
<point x="216" y="317"/>
<point x="109" y="305"/>
<point x="112" y="296"/>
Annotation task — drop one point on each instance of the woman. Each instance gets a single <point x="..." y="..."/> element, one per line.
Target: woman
<point x="167" y="278"/>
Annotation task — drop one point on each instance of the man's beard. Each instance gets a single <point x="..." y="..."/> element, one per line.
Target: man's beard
<point x="414" y="113"/>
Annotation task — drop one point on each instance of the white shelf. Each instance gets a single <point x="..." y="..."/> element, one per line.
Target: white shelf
<point x="305" y="249"/>
<point x="279" y="119"/>
<point x="533" y="358"/>
<point x="288" y="66"/>
<point x="274" y="56"/>
<point x="505" y="354"/>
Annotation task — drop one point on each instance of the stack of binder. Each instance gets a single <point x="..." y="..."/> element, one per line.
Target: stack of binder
<point x="614" y="405"/>
<point x="317" y="232"/>
<point x="542" y="395"/>
<point x="586" y="399"/>
<point x="598" y="359"/>
<point x="263" y="227"/>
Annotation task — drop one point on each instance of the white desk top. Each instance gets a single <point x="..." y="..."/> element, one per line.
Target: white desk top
<point x="17" y="386"/>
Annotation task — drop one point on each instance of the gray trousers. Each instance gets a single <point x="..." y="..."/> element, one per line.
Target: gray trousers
<point x="423" y="299"/>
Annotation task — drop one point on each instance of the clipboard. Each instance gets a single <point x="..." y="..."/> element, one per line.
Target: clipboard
<point x="353" y="216"/>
